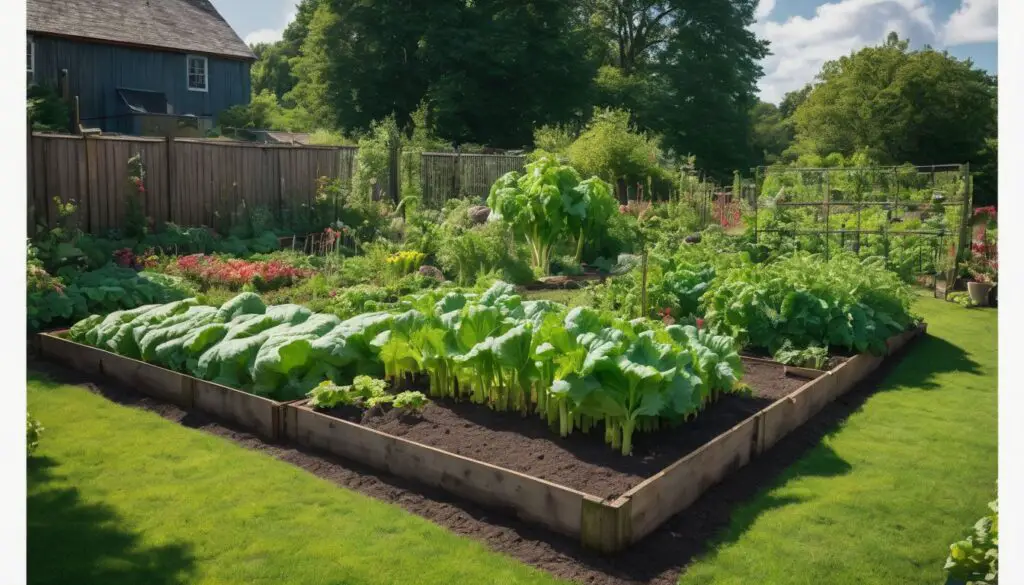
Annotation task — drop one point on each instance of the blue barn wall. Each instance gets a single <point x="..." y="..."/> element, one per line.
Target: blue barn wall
<point x="96" y="70"/>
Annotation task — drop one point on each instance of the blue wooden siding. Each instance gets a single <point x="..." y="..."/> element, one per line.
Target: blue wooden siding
<point x="96" y="70"/>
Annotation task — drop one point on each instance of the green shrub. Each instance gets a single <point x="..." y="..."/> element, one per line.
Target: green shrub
<point x="975" y="559"/>
<point x="34" y="431"/>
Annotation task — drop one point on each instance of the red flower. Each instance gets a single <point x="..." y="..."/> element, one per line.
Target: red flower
<point x="700" y="323"/>
<point x="235" y="273"/>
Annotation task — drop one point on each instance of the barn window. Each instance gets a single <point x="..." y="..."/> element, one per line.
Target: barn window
<point x="197" y="73"/>
<point x="30" y="53"/>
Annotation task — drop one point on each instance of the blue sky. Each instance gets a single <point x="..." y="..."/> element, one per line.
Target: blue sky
<point x="803" y="33"/>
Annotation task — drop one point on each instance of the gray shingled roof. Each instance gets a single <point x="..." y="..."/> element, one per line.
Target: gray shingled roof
<point x="178" y="25"/>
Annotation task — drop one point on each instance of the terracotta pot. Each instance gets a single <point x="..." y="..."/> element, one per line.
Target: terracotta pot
<point x="979" y="292"/>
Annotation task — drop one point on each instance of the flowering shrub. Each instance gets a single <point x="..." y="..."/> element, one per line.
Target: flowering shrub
<point x="136" y="224"/>
<point x="984" y="262"/>
<point x="727" y="213"/>
<point x="126" y="258"/>
<point x="234" y="274"/>
<point x="405" y="261"/>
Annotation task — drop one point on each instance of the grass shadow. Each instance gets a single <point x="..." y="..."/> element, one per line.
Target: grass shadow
<point x="926" y="359"/>
<point x="73" y="541"/>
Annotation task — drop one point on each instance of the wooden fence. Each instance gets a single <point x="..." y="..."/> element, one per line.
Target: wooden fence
<point x="192" y="182"/>
<point x="188" y="182"/>
<point x="448" y="175"/>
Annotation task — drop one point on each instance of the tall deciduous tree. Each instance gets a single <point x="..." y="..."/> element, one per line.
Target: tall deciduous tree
<point x="771" y="133"/>
<point x="688" y="70"/>
<point x="925" y="107"/>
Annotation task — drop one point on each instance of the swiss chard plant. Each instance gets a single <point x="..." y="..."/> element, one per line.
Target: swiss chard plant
<point x="548" y="203"/>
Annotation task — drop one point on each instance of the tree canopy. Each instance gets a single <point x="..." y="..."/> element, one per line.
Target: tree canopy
<point x="684" y="73"/>
<point x="925" y="107"/>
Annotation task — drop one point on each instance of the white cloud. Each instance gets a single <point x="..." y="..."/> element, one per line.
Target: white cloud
<point x="976" y="21"/>
<point x="269" y="35"/>
<point x="264" y="35"/>
<point x="764" y="9"/>
<point x="800" y="46"/>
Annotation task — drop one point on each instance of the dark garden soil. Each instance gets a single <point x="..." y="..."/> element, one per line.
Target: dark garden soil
<point x="580" y="461"/>
<point x="658" y="559"/>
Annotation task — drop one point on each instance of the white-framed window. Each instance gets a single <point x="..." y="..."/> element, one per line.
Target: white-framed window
<point x="30" y="53"/>
<point x="198" y="78"/>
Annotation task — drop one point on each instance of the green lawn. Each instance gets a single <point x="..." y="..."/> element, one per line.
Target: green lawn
<point x="120" y="495"/>
<point x="881" y="499"/>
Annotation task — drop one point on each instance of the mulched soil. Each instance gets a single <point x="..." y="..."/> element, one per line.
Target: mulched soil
<point x="658" y="559"/>
<point x="580" y="461"/>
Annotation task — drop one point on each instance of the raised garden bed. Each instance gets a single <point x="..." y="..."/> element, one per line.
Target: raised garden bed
<point x="255" y="413"/>
<point x="580" y="461"/>
<point x="593" y="507"/>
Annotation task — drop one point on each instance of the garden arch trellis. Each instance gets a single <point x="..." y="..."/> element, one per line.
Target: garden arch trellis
<point x="868" y="209"/>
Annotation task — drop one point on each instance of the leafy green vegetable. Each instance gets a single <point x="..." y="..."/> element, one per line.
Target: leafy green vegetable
<point x="548" y="202"/>
<point x="410" y="401"/>
<point x="975" y="559"/>
<point x="576" y="369"/>
<point x="807" y="301"/>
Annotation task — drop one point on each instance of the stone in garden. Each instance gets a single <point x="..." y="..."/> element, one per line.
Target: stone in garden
<point x="478" y="214"/>
<point x="432" y="272"/>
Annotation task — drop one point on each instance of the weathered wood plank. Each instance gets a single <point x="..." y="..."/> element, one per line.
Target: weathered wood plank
<point x="606" y="526"/>
<point x="556" y="507"/>
<point x="680" y="484"/>
<point x="261" y="415"/>
<point x="148" y="379"/>
<point x="76" y="356"/>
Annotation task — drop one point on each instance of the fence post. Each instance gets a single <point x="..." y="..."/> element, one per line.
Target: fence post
<point x="828" y="205"/>
<point x="962" y="243"/>
<point x="458" y="172"/>
<point x="169" y="142"/>
<point x="393" y="174"/>
<point x="280" y="185"/>
<point x="30" y="191"/>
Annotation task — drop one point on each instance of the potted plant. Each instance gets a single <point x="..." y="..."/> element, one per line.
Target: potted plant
<point x="984" y="263"/>
<point x="981" y="283"/>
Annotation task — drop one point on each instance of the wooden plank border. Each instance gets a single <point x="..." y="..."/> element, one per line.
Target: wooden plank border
<point x="600" y="524"/>
<point x="645" y="507"/>
<point x="255" y="413"/>
<point x="535" y="500"/>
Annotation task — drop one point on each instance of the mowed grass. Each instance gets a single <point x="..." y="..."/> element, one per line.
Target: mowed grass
<point x="121" y="496"/>
<point x="881" y="499"/>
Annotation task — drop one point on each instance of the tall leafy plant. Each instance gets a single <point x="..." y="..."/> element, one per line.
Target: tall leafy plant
<point x="548" y="203"/>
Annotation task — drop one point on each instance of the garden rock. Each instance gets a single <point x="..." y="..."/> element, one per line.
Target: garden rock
<point x="432" y="272"/>
<point x="478" y="214"/>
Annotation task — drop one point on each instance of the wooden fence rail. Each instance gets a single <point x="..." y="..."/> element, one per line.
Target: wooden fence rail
<point x="194" y="182"/>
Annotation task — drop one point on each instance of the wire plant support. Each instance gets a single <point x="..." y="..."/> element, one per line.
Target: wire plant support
<point x="915" y="217"/>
